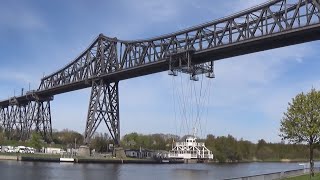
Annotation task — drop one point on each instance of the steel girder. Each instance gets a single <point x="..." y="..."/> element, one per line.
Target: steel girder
<point x="273" y="17"/>
<point x="103" y="106"/>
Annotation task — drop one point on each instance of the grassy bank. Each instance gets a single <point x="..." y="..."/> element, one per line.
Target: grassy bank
<point x="304" y="177"/>
<point x="267" y="160"/>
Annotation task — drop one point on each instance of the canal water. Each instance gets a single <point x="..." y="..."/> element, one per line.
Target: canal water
<point x="39" y="170"/>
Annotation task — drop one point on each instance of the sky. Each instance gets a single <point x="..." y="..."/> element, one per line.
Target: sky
<point x="247" y="98"/>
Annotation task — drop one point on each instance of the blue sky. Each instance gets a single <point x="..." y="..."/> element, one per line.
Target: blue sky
<point x="247" y="98"/>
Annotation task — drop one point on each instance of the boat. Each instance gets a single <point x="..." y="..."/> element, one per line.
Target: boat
<point x="190" y="149"/>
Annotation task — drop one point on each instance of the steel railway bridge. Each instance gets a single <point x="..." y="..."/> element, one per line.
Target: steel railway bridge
<point x="107" y="61"/>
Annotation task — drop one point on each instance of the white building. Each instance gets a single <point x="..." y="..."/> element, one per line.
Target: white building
<point x="190" y="149"/>
<point x="51" y="150"/>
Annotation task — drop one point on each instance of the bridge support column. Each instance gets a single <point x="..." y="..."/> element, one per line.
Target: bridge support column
<point x="30" y="122"/>
<point x="19" y="120"/>
<point x="4" y="119"/>
<point x="41" y="118"/>
<point x="103" y="106"/>
<point x="15" y="122"/>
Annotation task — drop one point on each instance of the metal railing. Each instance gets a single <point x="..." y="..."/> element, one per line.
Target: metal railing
<point x="276" y="175"/>
<point x="189" y="144"/>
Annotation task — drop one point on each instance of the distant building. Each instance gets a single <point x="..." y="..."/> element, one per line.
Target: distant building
<point x="51" y="150"/>
<point x="161" y="154"/>
<point x="139" y="153"/>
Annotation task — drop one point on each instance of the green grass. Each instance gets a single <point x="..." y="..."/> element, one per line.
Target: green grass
<point x="304" y="177"/>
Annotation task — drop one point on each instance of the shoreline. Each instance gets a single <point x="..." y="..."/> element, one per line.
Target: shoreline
<point x="58" y="158"/>
<point x="86" y="160"/>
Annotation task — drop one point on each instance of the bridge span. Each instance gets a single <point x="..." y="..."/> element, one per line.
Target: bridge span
<point x="107" y="61"/>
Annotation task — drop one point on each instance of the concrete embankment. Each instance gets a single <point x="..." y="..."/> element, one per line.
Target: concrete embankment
<point x="3" y="157"/>
<point x="89" y="160"/>
<point x="127" y="161"/>
<point x="38" y="159"/>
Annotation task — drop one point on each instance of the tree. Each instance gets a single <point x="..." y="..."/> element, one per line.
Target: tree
<point x="35" y="141"/>
<point x="246" y="149"/>
<point x="301" y="122"/>
<point x="100" y="142"/>
<point x="67" y="137"/>
<point x="2" y="137"/>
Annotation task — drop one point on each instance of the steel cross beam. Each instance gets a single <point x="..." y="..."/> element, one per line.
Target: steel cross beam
<point x="103" y="106"/>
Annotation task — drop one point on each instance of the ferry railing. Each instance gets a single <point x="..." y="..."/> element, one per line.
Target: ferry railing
<point x="200" y="144"/>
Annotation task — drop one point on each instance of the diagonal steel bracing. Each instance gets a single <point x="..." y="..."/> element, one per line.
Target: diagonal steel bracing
<point x="19" y="120"/>
<point x="103" y="106"/>
<point x="42" y="119"/>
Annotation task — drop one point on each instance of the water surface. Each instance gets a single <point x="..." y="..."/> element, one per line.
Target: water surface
<point x="39" y="170"/>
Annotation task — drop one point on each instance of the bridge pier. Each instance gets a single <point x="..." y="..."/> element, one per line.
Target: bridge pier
<point x="13" y="117"/>
<point x="5" y="119"/>
<point x="2" y="117"/>
<point x="16" y="122"/>
<point x="103" y="106"/>
<point x="19" y="120"/>
<point x="41" y="119"/>
<point x="12" y="121"/>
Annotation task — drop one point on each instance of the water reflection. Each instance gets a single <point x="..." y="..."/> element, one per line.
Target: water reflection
<point x="99" y="171"/>
<point x="36" y="170"/>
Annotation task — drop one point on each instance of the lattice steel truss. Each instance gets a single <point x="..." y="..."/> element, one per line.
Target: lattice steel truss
<point x="103" y="106"/>
<point x="274" y="24"/>
<point x="19" y="120"/>
<point x="271" y="18"/>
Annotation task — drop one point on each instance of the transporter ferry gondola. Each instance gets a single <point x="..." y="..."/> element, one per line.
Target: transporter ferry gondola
<point x="190" y="149"/>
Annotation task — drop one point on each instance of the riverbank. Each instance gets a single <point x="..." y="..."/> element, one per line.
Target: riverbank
<point x="298" y="160"/>
<point x="58" y="158"/>
<point x="298" y="174"/>
<point x="304" y="177"/>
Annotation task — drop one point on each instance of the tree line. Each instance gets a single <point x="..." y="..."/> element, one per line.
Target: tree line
<point x="300" y="126"/>
<point x="224" y="148"/>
